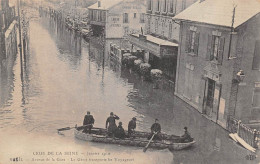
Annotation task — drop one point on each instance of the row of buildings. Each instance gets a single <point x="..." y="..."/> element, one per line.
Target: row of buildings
<point x="209" y="48"/>
<point x="8" y="48"/>
<point x="8" y="30"/>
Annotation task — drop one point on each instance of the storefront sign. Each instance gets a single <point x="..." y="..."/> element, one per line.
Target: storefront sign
<point x="114" y="21"/>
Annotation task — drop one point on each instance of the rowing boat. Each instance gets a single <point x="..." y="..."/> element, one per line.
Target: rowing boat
<point x="171" y="142"/>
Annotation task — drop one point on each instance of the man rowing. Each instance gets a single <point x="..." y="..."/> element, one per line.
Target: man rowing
<point x="156" y="130"/>
<point x="131" y="126"/>
<point x="186" y="136"/>
<point x="88" y="123"/>
<point x="111" y="124"/>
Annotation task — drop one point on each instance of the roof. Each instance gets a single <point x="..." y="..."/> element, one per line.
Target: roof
<point x="105" y="4"/>
<point x="158" y="41"/>
<point x="220" y="12"/>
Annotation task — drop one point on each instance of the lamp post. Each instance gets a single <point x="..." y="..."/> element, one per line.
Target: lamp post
<point x="20" y="37"/>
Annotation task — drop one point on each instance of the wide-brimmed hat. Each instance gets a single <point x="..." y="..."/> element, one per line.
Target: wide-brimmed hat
<point x="88" y="112"/>
<point x="185" y="128"/>
<point x="134" y="118"/>
<point x="111" y="113"/>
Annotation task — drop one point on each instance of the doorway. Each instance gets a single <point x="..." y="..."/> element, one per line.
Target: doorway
<point x="210" y="97"/>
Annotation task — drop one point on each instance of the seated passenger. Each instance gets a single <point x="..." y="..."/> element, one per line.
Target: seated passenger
<point x="131" y="127"/>
<point x="120" y="132"/>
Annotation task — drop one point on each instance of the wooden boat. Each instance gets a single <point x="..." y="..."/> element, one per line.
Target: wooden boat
<point x="171" y="142"/>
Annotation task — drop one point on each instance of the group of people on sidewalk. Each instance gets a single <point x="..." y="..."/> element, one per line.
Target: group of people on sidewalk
<point x="118" y="131"/>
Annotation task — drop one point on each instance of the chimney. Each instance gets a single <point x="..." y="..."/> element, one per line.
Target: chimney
<point x="99" y="4"/>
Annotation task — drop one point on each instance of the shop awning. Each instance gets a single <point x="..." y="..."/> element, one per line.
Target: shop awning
<point x="150" y="43"/>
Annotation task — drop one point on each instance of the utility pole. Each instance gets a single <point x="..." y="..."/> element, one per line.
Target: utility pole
<point x="20" y="37"/>
<point x="231" y="31"/>
<point x="236" y="64"/>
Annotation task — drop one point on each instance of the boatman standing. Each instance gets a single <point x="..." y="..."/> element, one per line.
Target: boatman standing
<point x="88" y="121"/>
<point x="111" y="124"/>
<point x="156" y="128"/>
<point x="131" y="126"/>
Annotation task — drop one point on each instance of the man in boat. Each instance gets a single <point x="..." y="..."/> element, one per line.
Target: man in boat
<point x="88" y="122"/>
<point x="156" y="129"/>
<point x="111" y="124"/>
<point x="131" y="126"/>
<point x="186" y="136"/>
<point x="120" y="132"/>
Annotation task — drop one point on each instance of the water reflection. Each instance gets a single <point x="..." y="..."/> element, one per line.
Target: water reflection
<point x="65" y="77"/>
<point x="6" y="79"/>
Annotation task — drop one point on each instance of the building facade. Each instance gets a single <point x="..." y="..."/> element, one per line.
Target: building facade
<point x="8" y="36"/>
<point x="161" y="34"/>
<point x="218" y="70"/>
<point x="116" y="18"/>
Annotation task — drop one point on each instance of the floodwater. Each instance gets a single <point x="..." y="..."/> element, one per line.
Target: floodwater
<point x="64" y="77"/>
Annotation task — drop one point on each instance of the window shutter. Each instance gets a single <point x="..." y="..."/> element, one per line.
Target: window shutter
<point x="209" y="48"/>
<point x="256" y="59"/>
<point x="196" y="43"/>
<point x="187" y="44"/>
<point x="221" y="50"/>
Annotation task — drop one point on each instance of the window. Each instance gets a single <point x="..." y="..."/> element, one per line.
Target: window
<point x="171" y="6"/>
<point x="156" y="26"/>
<point x="158" y="5"/>
<point x="125" y="18"/>
<point x="126" y="31"/>
<point x="192" y="41"/>
<point x="149" y="5"/>
<point x="91" y="14"/>
<point x="256" y="98"/>
<point x="170" y="30"/>
<point x="215" y="48"/>
<point x="183" y="4"/>
<point x="99" y="16"/>
<point x="256" y="59"/>
<point x="162" y="29"/>
<point x="148" y="25"/>
<point x="134" y="15"/>
<point x="142" y="18"/>
<point x="104" y="17"/>
<point x="165" y="6"/>
<point x="95" y="15"/>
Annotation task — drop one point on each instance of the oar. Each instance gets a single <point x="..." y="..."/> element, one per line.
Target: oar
<point x="68" y="128"/>
<point x="146" y="147"/>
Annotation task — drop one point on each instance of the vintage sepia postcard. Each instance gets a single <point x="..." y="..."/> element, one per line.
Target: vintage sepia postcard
<point x="129" y="81"/>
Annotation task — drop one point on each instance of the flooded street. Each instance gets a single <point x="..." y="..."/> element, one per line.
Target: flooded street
<point x="64" y="77"/>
